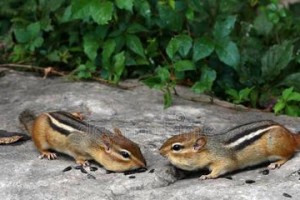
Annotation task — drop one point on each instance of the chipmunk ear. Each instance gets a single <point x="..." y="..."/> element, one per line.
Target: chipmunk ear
<point x="118" y="132"/>
<point x="107" y="142"/>
<point x="200" y="143"/>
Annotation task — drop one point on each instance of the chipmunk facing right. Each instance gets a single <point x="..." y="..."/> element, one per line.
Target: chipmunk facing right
<point x="246" y="145"/>
<point x="67" y="133"/>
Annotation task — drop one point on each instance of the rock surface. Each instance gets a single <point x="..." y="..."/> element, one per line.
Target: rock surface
<point x="139" y="113"/>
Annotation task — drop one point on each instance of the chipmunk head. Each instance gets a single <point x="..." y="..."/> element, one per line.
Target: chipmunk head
<point x="183" y="150"/>
<point x="121" y="154"/>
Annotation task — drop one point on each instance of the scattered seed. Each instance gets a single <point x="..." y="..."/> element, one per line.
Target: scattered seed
<point x="67" y="169"/>
<point x="265" y="172"/>
<point x="228" y="177"/>
<point x="78" y="167"/>
<point x="131" y="177"/>
<point x="90" y="176"/>
<point x="152" y="170"/>
<point x="93" y="168"/>
<point x="249" y="181"/>
<point x="287" y="195"/>
<point x="83" y="170"/>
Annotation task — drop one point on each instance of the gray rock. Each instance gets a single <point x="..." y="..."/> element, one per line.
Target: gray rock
<point x="139" y="113"/>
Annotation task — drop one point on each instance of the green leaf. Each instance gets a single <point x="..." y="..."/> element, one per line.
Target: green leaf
<point x="125" y="4"/>
<point x="244" y="94"/>
<point x="134" y="44"/>
<point x="202" y="48"/>
<point x="279" y="106"/>
<point x="143" y="8"/>
<point x="276" y="59"/>
<point x="184" y="65"/>
<point x="223" y="26"/>
<point x="262" y="25"/>
<point x="90" y="46"/>
<point x="167" y="99"/>
<point x="294" y="96"/>
<point x="228" y="53"/>
<point x="102" y="11"/>
<point x="287" y="92"/>
<point x="154" y="82"/>
<point x="208" y="76"/>
<point x="181" y="44"/>
<point x="119" y="65"/>
<point x="164" y="74"/>
<point x="292" y="110"/>
<point x="108" y="49"/>
<point x="232" y="93"/>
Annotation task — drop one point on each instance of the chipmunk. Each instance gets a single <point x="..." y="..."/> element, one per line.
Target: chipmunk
<point x="242" y="146"/>
<point x="67" y="133"/>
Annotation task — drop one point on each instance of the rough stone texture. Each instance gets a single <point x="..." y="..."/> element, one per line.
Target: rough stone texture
<point x="140" y="115"/>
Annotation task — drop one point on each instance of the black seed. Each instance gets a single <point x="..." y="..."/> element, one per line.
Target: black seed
<point x="90" y="176"/>
<point x="78" y="167"/>
<point x="287" y="195"/>
<point x="131" y="177"/>
<point x="228" y="177"/>
<point x="249" y="181"/>
<point x="93" y="168"/>
<point x="83" y="170"/>
<point x="265" y="172"/>
<point x="67" y="169"/>
<point x="152" y="170"/>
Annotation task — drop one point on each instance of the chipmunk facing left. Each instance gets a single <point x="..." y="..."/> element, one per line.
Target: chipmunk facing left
<point x="246" y="145"/>
<point x="67" y="133"/>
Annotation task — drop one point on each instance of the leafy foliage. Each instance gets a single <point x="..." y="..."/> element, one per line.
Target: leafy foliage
<point x="243" y="51"/>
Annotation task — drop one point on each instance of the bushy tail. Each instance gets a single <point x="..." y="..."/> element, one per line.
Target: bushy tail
<point x="26" y="118"/>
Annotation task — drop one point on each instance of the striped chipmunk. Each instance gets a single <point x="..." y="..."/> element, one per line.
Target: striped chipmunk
<point x="67" y="133"/>
<point x="242" y="146"/>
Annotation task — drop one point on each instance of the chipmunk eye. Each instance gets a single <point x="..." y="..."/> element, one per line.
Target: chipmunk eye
<point x="177" y="147"/>
<point x="125" y="154"/>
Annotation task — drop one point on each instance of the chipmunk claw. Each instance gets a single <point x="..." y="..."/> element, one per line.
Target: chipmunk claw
<point x="48" y="155"/>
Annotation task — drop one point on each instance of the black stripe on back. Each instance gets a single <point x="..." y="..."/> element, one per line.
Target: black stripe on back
<point x="69" y="120"/>
<point x="57" y="128"/>
<point x="246" y="143"/>
<point x="243" y="130"/>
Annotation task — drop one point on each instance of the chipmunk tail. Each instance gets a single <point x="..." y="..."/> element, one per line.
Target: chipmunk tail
<point x="27" y="118"/>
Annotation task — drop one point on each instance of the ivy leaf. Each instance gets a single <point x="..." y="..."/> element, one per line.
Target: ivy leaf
<point x="292" y="110"/>
<point x="184" y="65"/>
<point x="108" y="49"/>
<point x="134" y="44"/>
<point x="228" y="53"/>
<point x="276" y="59"/>
<point x="164" y="74"/>
<point x="295" y="96"/>
<point x="223" y="27"/>
<point x="202" y="48"/>
<point x="153" y="82"/>
<point x="126" y="5"/>
<point x="181" y="44"/>
<point x="101" y="11"/>
<point x="143" y="8"/>
<point x="90" y="46"/>
<point x="208" y="76"/>
<point x="262" y="25"/>
<point x="119" y="65"/>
